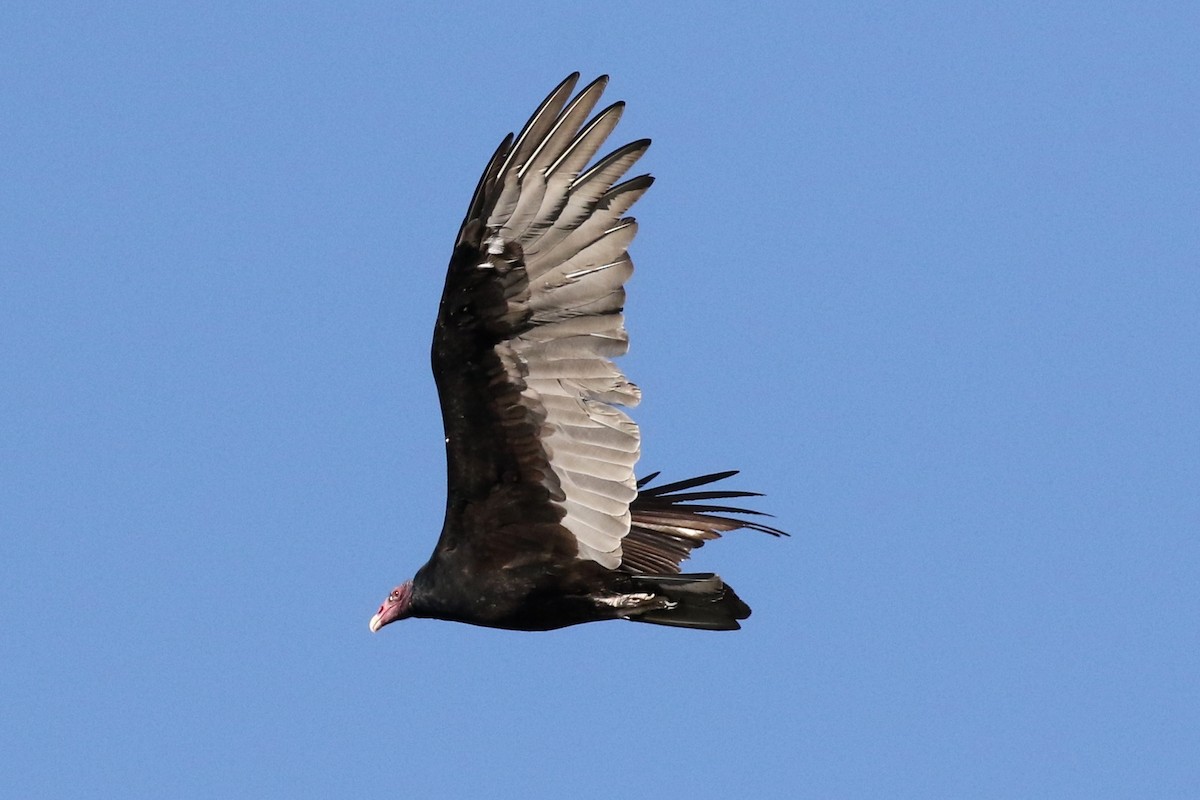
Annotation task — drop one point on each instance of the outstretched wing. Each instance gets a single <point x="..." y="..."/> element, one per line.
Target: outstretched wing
<point x="540" y="457"/>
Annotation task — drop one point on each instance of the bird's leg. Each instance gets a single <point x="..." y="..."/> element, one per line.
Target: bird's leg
<point x="636" y="602"/>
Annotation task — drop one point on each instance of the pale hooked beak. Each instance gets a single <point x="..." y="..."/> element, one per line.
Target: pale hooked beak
<point x="376" y="622"/>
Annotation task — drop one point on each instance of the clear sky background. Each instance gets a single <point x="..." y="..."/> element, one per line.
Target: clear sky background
<point x="928" y="274"/>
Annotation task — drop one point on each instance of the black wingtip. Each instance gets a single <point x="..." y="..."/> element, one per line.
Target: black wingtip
<point x="674" y="497"/>
<point x="690" y="483"/>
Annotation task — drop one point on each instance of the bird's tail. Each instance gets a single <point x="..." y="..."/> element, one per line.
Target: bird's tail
<point x="671" y="520"/>
<point x="697" y="600"/>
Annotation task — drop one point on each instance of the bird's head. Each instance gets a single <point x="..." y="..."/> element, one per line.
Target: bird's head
<point x="397" y="606"/>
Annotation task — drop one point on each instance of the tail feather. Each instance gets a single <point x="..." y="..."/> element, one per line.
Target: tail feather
<point x="668" y="522"/>
<point x="697" y="600"/>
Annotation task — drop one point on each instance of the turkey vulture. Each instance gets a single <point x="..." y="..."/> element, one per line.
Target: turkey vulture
<point x="545" y="524"/>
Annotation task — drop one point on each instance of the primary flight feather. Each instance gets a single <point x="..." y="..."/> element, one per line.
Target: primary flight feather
<point x="546" y="524"/>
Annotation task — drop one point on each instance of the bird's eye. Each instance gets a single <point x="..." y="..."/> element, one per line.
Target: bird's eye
<point x="395" y="595"/>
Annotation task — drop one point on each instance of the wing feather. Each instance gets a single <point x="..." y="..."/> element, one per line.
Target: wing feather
<point x="534" y="175"/>
<point x="529" y="323"/>
<point x="594" y="204"/>
<point x="509" y="183"/>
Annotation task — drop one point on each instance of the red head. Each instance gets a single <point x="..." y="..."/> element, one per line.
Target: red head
<point x="397" y="606"/>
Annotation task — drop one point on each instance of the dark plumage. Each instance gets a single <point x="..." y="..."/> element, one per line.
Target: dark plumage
<point x="546" y="525"/>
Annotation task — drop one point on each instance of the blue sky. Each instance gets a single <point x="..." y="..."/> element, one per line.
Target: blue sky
<point x="928" y="274"/>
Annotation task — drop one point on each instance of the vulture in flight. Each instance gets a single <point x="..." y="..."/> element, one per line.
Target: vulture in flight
<point x="546" y="525"/>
